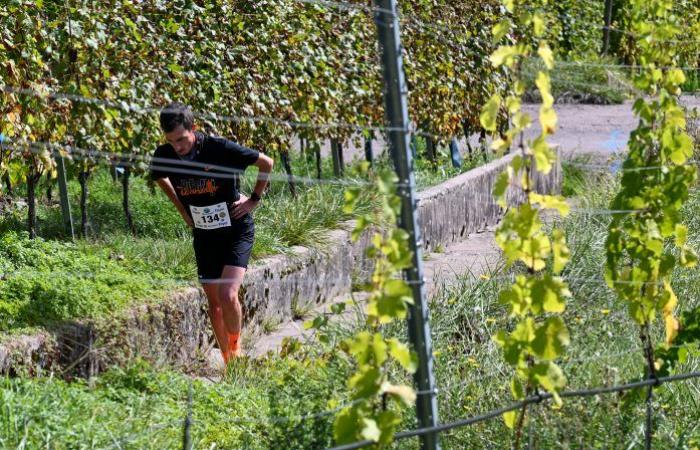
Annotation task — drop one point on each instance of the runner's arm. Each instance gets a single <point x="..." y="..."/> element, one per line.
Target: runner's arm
<point x="242" y="207"/>
<point x="169" y="190"/>
<point x="264" y="165"/>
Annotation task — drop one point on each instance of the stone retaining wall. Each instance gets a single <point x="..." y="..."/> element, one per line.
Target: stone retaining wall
<point x="177" y="332"/>
<point x="464" y="204"/>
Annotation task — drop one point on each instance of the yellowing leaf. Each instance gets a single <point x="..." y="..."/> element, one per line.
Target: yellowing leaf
<point x="370" y="430"/>
<point x="549" y="294"/>
<point x="551" y="202"/>
<point x="548" y="120"/>
<point x="404" y="393"/>
<point x="365" y="382"/>
<point x="500" y="30"/>
<point x="500" y="145"/>
<point x="675" y="76"/>
<point x="672" y="326"/>
<point x="560" y="251"/>
<point x="510" y="418"/>
<point x="545" y="88"/>
<point x="544" y="156"/>
<point x="401" y="353"/>
<point x="521" y="120"/>
<point x="550" y="339"/>
<point x="549" y="376"/>
<point x="547" y="56"/>
<point x="504" y="55"/>
<point x="489" y="113"/>
<point x="681" y="234"/>
<point x="513" y="104"/>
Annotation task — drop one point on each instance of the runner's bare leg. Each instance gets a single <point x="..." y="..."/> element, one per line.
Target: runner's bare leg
<point x="216" y="315"/>
<point x="232" y="278"/>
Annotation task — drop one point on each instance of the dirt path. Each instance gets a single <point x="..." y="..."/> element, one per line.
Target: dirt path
<point x="597" y="129"/>
<point x="475" y="255"/>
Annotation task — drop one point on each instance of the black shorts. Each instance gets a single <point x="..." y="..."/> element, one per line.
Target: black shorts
<point x="230" y="246"/>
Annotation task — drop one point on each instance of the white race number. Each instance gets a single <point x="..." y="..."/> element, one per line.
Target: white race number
<point x="211" y="217"/>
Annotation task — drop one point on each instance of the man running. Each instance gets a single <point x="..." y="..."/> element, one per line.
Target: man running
<point x="200" y="175"/>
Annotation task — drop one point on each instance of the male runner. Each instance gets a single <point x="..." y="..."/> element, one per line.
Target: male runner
<point x="200" y="175"/>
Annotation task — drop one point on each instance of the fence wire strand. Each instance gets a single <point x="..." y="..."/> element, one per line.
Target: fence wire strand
<point x="126" y="160"/>
<point x="533" y="399"/>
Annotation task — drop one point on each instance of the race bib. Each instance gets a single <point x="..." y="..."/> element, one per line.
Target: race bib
<point x="211" y="217"/>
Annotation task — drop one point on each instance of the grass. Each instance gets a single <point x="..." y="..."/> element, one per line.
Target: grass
<point x="429" y="174"/>
<point x="605" y="350"/>
<point x="471" y="375"/>
<point x="692" y="83"/>
<point x="138" y="407"/>
<point x="586" y="83"/>
<point x="50" y="280"/>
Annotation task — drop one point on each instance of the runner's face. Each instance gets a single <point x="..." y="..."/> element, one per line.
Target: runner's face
<point x="181" y="139"/>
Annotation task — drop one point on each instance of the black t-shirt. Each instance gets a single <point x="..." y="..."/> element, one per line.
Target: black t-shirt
<point x="195" y="178"/>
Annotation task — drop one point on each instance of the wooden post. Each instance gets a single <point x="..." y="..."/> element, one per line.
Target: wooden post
<point x="369" y="156"/>
<point x="430" y="150"/>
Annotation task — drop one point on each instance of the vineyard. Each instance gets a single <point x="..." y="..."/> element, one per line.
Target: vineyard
<point x="398" y="130"/>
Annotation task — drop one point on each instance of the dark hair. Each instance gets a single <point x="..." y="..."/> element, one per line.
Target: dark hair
<point x="176" y="114"/>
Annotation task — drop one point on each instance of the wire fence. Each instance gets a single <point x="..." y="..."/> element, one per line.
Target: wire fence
<point x="135" y="161"/>
<point x="533" y="399"/>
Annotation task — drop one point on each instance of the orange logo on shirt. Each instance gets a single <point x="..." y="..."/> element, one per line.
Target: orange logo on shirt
<point x="197" y="187"/>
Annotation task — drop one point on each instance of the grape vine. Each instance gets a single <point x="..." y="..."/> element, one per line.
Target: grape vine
<point x="645" y="245"/>
<point x="371" y="415"/>
<point x="536" y="298"/>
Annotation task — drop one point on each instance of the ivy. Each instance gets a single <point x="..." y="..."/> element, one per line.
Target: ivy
<point x="540" y="336"/>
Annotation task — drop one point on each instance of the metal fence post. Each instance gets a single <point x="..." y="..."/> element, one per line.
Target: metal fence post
<point x="337" y="154"/>
<point x="63" y="194"/>
<point x="396" y="105"/>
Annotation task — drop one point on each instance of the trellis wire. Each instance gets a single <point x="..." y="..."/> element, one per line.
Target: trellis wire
<point x="209" y="115"/>
<point x="533" y="399"/>
<point x="529" y="400"/>
<point x="127" y="160"/>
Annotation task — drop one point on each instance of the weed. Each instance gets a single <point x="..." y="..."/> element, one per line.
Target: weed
<point x="301" y="310"/>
